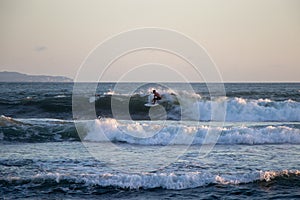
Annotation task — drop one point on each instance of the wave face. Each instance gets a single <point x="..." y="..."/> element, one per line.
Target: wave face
<point x="37" y="130"/>
<point x="145" y="132"/>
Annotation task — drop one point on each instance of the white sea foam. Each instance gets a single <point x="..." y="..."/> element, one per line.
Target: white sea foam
<point x="60" y="96"/>
<point x="161" y="180"/>
<point x="262" y="110"/>
<point x="169" y="132"/>
<point x="156" y="133"/>
<point x="239" y="109"/>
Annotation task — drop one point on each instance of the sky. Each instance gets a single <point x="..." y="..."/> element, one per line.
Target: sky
<point x="248" y="40"/>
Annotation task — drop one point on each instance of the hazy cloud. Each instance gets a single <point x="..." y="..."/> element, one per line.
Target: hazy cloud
<point x="40" y="48"/>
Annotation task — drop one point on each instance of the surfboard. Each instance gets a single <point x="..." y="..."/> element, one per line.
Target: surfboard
<point x="151" y="104"/>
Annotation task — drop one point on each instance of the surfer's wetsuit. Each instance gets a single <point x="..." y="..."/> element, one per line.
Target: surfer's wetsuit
<point x="156" y="96"/>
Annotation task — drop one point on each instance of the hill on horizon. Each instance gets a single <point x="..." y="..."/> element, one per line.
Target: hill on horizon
<point x="6" y="76"/>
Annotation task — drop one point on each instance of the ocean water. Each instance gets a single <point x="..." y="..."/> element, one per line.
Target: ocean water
<point x="163" y="152"/>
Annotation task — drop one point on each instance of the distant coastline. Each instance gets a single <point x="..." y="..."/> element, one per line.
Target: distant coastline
<point x="6" y="76"/>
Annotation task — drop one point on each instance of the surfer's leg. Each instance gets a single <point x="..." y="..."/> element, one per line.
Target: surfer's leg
<point x="154" y="100"/>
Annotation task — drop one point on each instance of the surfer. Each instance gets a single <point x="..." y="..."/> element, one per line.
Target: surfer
<point x="156" y="96"/>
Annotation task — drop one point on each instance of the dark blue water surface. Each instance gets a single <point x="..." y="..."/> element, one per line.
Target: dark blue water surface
<point x="47" y="151"/>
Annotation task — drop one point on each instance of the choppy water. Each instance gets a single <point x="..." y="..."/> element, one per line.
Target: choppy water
<point x="155" y="156"/>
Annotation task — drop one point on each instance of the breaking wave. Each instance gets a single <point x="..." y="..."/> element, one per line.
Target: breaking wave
<point x="152" y="133"/>
<point x="238" y="109"/>
<point x="192" y="106"/>
<point x="145" y="132"/>
<point x="173" y="181"/>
